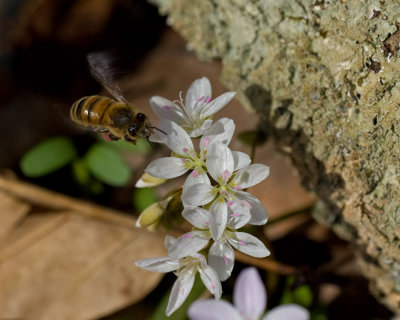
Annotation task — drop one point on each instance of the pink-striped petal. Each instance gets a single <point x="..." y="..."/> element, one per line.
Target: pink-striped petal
<point x="287" y="311"/>
<point x="180" y="291"/>
<point x="213" y="310"/>
<point x="221" y="258"/>
<point x="249" y="295"/>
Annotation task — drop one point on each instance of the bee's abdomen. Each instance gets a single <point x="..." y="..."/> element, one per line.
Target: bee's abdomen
<point x="92" y="110"/>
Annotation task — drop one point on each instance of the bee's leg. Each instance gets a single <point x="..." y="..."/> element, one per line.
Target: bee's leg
<point x="129" y="139"/>
<point x="112" y="137"/>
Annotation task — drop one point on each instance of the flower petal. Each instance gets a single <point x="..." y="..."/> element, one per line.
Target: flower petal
<point x="222" y="131"/>
<point x="218" y="218"/>
<point x="259" y="214"/>
<point x="166" y="168"/>
<point x="197" y="195"/>
<point x="197" y="132"/>
<point x="211" y="280"/>
<point x="163" y="264"/>
<point x="217" y="104"/>
<point x="238" y="215"/>
<point x="198" y="217"/>
<point x="166" y="109"/>
<point x="249" y="294"/>
<point x="175" y="138"/>
<point x="188" y="244"/>
<point x="199" y="90"/>
<point x="248" y="244"/>
<point x="219" y="161"/>
<point x="181" y="289"/>
<point x="195" y="179"/>
<point x="251" y="175"/>
<point x="148" y="181"/>
<point x="213" y="310"/>
<point x="221" y="258"/>
<point x="288" y="311"/>
<point x="169" y="241"/>
<point x="240" y="159"/>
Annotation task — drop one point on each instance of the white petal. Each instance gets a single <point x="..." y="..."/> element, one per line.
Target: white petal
<point x="248" y="244"/>
<point x="197" y="195"/>
<point x="249" y="294"/>
<point x="169" y="241"/>
<point x="166" y="109"/>
<point x="217" y="104"/>
<point x="193" y="178"/>
<point x="221" y="258"/>
<point x="181" y="289"/>
<point x="198" y="217"/>
<point x="164" y="264"/>
<point x="238" y="214"/>
<point x="251" y="175"/>
<point x="288" y="311"/>
<point x="199" y="90"/>
<point x="175" y="138"/>
<point x="166" y="168"/>
<point x="240" y="159"/>
<point x="213" y="310"/>
<point x="197" y="132"/>
<point x="259" y="214"/>
<point x="218" y="218"/>
<point x="219" y="160"/>
<point x="188" y="244"/>
<point x="211" y="281"/>
<point x="221" y="131"/>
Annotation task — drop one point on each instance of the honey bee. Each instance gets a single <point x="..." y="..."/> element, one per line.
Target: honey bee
<point x="115" y="118"/>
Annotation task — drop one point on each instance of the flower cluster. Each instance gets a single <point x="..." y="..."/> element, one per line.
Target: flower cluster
<point x="214" y="194"/>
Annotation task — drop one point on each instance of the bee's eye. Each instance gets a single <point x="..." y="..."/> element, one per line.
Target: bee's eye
<point x="132" y="130"/>
<point x="140" y="116"/>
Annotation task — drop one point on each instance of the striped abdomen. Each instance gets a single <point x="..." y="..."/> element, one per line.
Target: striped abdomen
<point x="94" y="110"/>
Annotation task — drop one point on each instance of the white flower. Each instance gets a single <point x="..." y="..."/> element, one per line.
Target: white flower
<point x="220" y="255"/>
<point x="184" y="157"/>
<point x="185" y="269"/>
<point x="222" y="166"/>
<point x="249" y="298"/>
<point x="198" y="108"/>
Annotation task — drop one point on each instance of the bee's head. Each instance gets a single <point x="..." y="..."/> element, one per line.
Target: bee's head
<point x="140" y="127"/>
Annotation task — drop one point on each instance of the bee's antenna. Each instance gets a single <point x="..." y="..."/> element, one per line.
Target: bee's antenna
<point x="159" y="130"/>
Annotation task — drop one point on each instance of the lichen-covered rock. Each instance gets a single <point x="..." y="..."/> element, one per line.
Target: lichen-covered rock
<point x="325" y="76"/>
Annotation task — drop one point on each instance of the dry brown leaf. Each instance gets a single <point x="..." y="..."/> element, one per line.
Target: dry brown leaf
<point x="11" y="212"/>
<point x="68" y="265"/>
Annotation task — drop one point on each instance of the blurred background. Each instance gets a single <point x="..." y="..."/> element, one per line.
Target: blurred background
<point x="43" y="71"/>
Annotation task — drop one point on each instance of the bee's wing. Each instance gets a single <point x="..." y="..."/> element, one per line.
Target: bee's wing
<point x="102" y="70"/>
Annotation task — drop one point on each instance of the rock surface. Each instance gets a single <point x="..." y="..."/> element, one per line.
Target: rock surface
<point x="324" y="77"/>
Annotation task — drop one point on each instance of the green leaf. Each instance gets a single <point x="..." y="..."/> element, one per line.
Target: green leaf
<point x="48" y="156"/>
<point x="81" y="172"/>
<point x="106" y="164"/>
<point x="143" y="197"/>
<point x="180" y="314"/>
<point x="303" y="295"/>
